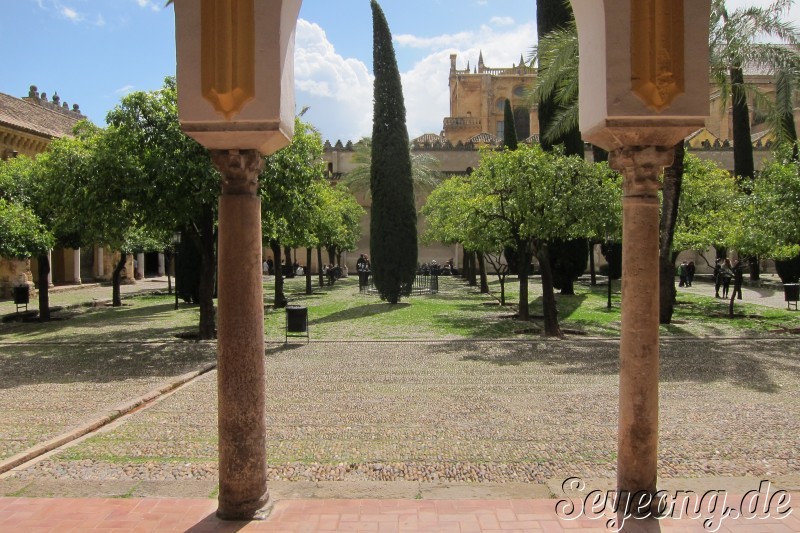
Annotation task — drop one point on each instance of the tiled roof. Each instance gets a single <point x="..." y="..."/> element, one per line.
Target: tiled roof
<point x="32" y="118"/>
<point x="484" y="137"/>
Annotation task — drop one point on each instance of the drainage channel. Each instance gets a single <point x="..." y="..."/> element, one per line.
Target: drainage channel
<point x="114" y="417"/>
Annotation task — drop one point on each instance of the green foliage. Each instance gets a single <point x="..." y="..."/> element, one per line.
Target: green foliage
<point x="338" y="224"/>
<point x="708" y="208"/>
<point x="548" y="196"/>
<point x="557" y="80"/>
<point x="393" y="223"/>
<point x="288" y="203"/>
<point x="770" y="225"/>
<point x="22" y="234"/>
<point x="171" y="176"/>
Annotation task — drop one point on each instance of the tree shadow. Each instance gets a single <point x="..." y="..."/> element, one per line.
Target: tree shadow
<point x="144" y="320"/>
<point x="96" y="362"/>
<point x="361" y="311"/>
<point x="745" y="364"/>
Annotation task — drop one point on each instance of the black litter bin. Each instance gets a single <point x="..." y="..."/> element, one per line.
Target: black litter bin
<point x="791" y="294"/>
<point x="296" y="322"/>
<point x="22" y="296"/>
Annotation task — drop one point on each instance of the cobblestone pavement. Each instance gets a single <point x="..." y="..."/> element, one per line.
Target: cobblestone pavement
<point x="460" y="411"/>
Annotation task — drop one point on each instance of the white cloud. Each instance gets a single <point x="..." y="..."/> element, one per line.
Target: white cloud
<point x="338" y="89"/>
<point x="152" y="4"/>
<point x="71" y="14"/>
<point x="501" y="21"/>
<point x="122" y="91"/>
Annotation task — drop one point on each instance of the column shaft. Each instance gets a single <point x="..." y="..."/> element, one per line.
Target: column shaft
<point x="76" y="266"/>
<point x="240" y="347"/>
<point x="637" y="452"/>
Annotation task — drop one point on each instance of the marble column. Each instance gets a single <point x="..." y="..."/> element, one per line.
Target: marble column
<point x="99" y="261"/>
<point x="50" y="262"/>
<point x="241" y="382"/>
<point x="76" y="266"/>
<point x="637" y="447"/>
<point x="162" y="270"/>
<point x="139" y="266"/>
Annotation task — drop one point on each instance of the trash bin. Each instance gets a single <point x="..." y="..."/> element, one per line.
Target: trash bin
<point x="22" y="296"/>
<point x="296" y="321"/>
<point x="791" y="294"/>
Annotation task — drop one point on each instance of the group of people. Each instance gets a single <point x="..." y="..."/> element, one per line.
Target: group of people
<point x="724" y="273"/>
<point x="686" y="273"/>
<point x="435" y="269"/>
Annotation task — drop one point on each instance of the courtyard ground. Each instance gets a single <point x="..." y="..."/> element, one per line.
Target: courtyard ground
<point x="411" y="422"/>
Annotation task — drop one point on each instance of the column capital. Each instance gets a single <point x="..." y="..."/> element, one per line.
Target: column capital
<point x="640" y="167"/>
<point x="239" y="169"/>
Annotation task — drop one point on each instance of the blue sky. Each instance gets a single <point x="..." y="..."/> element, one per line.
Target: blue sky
<point x="92" y="52"/>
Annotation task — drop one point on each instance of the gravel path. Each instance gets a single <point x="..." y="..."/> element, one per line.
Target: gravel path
<point x="469" y="411"/>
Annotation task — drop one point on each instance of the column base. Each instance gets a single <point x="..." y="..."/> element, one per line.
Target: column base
<point x="240" y="512"/>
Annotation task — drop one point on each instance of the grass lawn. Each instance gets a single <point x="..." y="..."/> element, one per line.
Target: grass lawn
<point x="458" y="311"/>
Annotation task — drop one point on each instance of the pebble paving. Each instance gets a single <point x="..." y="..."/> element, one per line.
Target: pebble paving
<point x="472" y="411"/>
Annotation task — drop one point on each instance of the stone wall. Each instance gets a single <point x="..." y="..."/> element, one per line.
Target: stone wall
<point x="14" y="273"/>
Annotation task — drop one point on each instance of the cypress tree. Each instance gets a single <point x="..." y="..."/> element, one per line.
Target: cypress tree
<point x="393" y="219"/>
<point x="509" y="127"/>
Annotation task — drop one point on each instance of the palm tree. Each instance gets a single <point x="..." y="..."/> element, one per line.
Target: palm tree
<point x="424" y="170"/>
<point x="732" y="49"/>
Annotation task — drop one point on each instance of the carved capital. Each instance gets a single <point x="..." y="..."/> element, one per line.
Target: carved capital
<point x="640" y="167"/>
<point x="239" y="169"/>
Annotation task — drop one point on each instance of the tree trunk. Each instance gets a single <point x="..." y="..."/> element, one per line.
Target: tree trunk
<point x="280" y="298"/>
<point x="549" y="309"/>
<point x="44" y="288"/>
<point x="482" y="271"/>
<point x="116" y="299"/>
<point x="207" y="239"/>
<point x="319" y="267"/>
<point x="287" y="252"/>
<point x="464" y="264"/>
<point x="473" y="270"/>
<point x="592" y="272"/>
<point x="523" y="257"/>
<point x="673" y="179"/>
<point x="309" y="289"/>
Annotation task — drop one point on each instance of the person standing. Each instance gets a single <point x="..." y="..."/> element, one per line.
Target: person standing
<point x="690" y="273"/>
<point x="362" y="267"/>
<point x="682" y="274"/>
<point x="727" y="274"/>
<point x="717" y="277"/>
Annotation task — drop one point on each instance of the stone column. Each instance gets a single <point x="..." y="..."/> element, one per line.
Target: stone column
<point x="99" y="261"/>
<point x="241" y="382"/>
<point x="162" y="270"/>
<point x="637" y="447"/>
<point x="76" y="266"/>
<point x="50" y="274"/>
<point x="139" y="266"/>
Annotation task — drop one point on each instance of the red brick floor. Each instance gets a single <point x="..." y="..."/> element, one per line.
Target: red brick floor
<point x="197" y="516"/>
